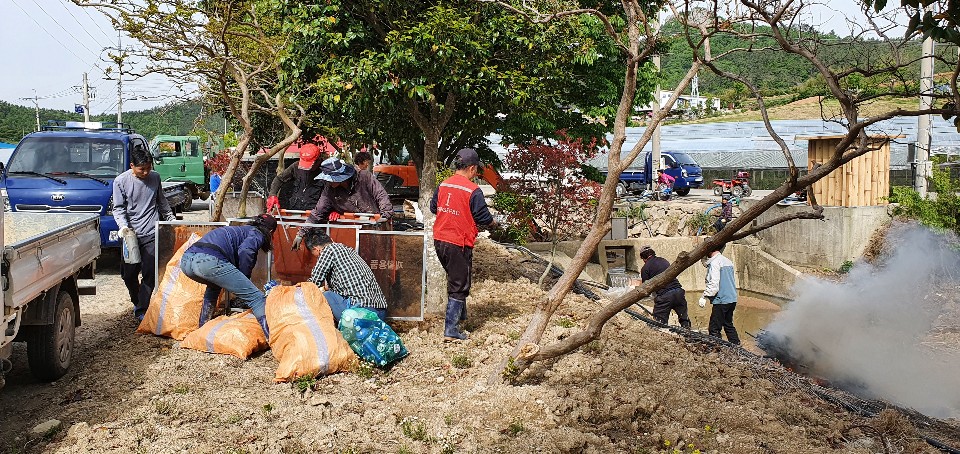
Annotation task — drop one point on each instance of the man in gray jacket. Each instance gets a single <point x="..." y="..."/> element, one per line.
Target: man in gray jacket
<point x="138" y="203"/>
<point x="721" y="292"/>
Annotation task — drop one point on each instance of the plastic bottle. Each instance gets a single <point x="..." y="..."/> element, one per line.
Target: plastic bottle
<point x="130" y="247"/>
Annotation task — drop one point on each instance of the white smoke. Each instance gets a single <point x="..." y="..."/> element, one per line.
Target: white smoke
<point x="867" y="333"/>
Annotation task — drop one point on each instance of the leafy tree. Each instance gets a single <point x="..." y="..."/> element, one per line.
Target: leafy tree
<point x="636" y="40"/>
<point x="429" y="78"/>
<point x="231" y="49"/>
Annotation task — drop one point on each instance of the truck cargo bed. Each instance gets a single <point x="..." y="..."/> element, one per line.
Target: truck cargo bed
<point x="41" y="249"/>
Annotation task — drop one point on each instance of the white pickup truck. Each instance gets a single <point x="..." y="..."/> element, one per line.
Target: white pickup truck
<point x="47" y="257"/>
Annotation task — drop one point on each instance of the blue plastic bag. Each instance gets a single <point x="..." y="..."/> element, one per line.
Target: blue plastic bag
<point x="371" y="338"/>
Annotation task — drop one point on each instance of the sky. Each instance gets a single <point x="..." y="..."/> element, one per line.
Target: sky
<point x="47" y="45"/>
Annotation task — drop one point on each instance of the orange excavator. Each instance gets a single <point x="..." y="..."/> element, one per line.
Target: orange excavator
<point x="403" y="182"/>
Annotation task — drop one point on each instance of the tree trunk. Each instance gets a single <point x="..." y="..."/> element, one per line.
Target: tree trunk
<point x="227" y="179"/>
<point x="436" y="298"/>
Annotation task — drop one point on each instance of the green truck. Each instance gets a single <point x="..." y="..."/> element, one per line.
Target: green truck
<point x="180" y="158"/>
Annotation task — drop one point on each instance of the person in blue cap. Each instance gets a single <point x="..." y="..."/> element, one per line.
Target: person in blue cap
<point x="346" y="191"/>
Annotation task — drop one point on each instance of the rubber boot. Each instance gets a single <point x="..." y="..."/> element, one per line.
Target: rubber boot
<point x="463" y="312"/>
<point x="450" y="330"/>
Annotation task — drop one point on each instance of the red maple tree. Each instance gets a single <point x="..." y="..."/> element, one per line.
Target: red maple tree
<point x="549" y="173"/>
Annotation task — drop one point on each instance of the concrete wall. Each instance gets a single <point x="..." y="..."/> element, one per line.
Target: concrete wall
<point x="231" y="205"/>
<point x="842" y="236"/>
<point x="756" y="271"/>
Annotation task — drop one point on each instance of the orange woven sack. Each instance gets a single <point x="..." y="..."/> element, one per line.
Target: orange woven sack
<point x="302" y="334"/>
<point x="239" y="335"/>
<point x="174" y="309"/>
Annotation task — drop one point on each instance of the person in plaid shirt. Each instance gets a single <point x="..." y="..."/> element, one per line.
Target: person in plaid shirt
<point x="349" y="280"/>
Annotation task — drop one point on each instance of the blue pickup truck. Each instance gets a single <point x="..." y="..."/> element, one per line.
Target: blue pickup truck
<point x="69" y="167"/>
<point x="679" y="165"/>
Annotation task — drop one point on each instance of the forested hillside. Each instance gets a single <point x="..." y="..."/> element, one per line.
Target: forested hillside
<point x="776" y="72"/>
<point x="179" y="119"/>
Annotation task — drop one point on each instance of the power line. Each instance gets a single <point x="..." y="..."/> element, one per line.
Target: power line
<point x="95" y="54"/>
<point x="84" y="9"/>
<point x="48" y="32"/>
<point x="63" y="4"/>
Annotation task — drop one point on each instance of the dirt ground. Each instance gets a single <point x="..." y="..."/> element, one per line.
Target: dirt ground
<point x="636" y="389"/>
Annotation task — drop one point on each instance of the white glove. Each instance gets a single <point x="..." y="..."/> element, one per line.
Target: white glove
<point x="123" y="231"/>
<point x="702" y="302"/>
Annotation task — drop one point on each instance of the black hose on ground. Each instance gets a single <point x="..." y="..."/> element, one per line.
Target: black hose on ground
<point x="697" y="336"/>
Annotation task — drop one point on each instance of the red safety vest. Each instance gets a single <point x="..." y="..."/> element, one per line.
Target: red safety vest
<point x="455" y="224"/>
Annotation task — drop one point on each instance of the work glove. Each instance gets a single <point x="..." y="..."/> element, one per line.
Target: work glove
<point x="333" y="216"/>
<point x="124" y="230"/>
<point x="702" y="302"/>
<point x="273" y="202"/>
<point x="296" y="243"/>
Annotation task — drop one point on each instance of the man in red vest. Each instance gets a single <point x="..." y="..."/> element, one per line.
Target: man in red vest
<point x="460" y="208"/>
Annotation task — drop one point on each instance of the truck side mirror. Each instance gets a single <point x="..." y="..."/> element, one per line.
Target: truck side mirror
<point x="674" y="165"/>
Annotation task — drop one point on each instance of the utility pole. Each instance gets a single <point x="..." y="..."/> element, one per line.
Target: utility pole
<point x="86" y="99"/>
<point x="924" y="168"/>
<point x="36" y="106"/>
<point x="119" y="81"/>
<point x="655" y="139"/>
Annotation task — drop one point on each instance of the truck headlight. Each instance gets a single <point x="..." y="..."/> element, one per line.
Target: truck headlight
<point x="683" y="172"/>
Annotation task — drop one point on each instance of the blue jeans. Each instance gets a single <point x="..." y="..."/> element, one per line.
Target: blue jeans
<point x="338" y="304"/>
<point x="220" y="275"/>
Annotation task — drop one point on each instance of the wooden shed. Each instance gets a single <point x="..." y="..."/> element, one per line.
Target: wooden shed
<point x="863" y="181"/>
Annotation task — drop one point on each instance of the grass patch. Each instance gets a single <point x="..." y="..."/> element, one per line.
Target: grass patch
<point x="593" y="346"/>
<point x="181" y="388"/>
<point x="565" y="322"/>
<point x="304" y="383"/>
<point x="365" y="369"/>
<point x="414" y="428"/>
<point x="461" y="361"/>
<point x="163" y="408"/>
<point x="516" y="427"/>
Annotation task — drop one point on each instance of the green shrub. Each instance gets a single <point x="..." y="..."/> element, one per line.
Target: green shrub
<point x="941" y="213"/>
<point x="845" y="267"/>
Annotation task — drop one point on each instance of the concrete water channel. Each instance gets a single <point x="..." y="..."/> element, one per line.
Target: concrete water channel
<point x="768" y="265"/>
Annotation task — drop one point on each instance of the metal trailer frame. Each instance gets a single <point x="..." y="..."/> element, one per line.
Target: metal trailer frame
<point x="270" y="256"/>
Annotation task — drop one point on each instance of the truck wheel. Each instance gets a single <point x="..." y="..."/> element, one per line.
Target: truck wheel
<point x="747" y="190"/>
<point x="621" y="190"/>
<point x="682" y="191"/>
<point x="191" y="191"/>
<point x="50" y="347"/>
<point x="737" y="191"/>
<point x="717" y="190"/>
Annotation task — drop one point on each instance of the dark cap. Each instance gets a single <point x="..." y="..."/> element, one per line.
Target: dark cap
<point x="467" y="157"/>
<point x="266" y="221"/>
<point x="646" y="252"/>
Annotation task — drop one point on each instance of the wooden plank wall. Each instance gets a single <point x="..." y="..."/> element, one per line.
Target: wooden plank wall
<point x="861" y="182"/>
